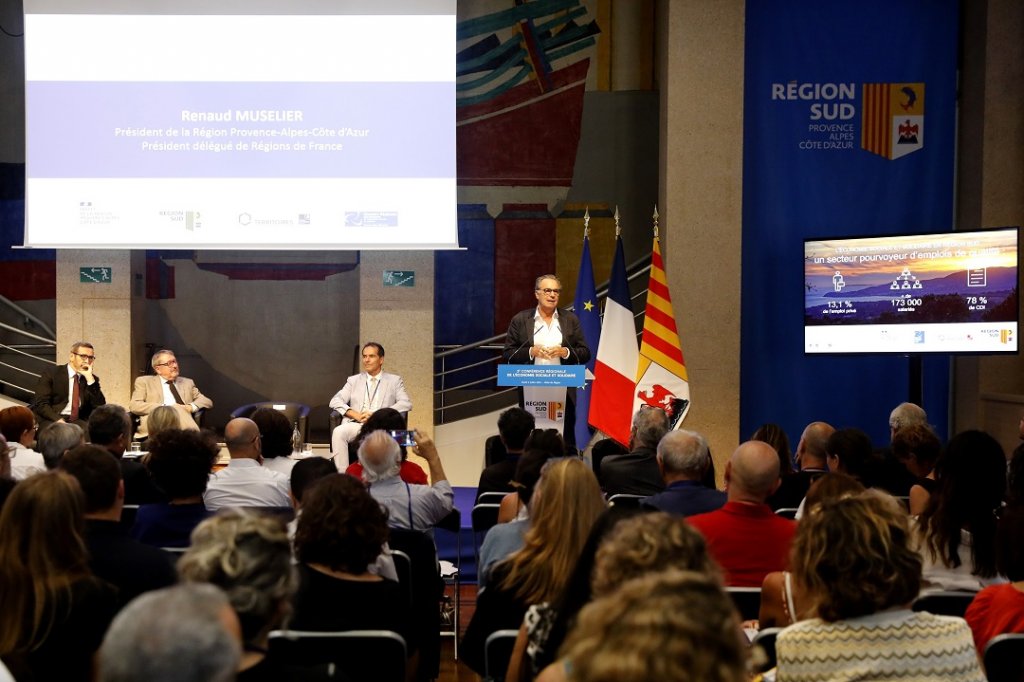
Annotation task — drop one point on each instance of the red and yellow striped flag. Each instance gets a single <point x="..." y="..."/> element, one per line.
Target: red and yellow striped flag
<point x="661" y="373"/>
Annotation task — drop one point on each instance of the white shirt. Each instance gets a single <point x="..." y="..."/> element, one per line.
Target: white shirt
<point x="245" y="483"/>
<point x="72" y="375"/>
<point x="546" y="334"/>
<point x="282" y="465"/>
<point x="25" y="462"/>
<point x="370" y="400"/>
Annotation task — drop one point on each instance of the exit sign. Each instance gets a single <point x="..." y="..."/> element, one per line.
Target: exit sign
<point x="99" y="275"/>
<point x="399" y="278"/>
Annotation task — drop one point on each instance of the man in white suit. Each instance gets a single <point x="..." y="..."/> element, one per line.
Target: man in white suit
<point x="362" y="395"/>
<point x="167" y="388"/>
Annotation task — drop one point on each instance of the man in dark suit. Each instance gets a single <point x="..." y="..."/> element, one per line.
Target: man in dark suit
<point x="69" y="393"/>
<point x="110" y="428"/>
<point x="637" y="472"/>
<point x="132" y="567"/>
<point x="683" y="458"/>
<point x="548" y="335"/>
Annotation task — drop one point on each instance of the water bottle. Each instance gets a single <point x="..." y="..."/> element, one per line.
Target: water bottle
<point x="296" y="440"/>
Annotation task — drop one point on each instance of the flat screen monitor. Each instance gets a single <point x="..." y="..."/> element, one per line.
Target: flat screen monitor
<point x="951" y="292"/>
<point x="231" y="124"/>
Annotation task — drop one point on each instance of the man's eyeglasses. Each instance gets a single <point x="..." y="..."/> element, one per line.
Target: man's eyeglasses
<point x="90" y="358"/>
<point x="169" y="363"/>
<point x="556" y="292"/>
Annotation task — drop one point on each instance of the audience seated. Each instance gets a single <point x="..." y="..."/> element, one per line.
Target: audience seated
<point x="632" y="547"/>
<point x="849" y="451"/>
<point x="110" y="428"/>
<point x="187" y="632"/>
<point x="162" y="418"/>
<point x="745" y="536"/>
<point x="341" y="531"/>
<point x="415" y="507"/>
<point x="782" y="601"/>
<point x="775" y="435"/>
<point x="956" y="532"/>
<point x="180" y="463"/>
<point x="245" y="482"/>
<point x="853" y="557"/>
<point x="551" y="443"/>
<point x="504" y="539"/>
<point x="384" y="419"/>
<point x="918" y="448"/>
<point x="54" y="610"/>
<point x="668" y="625"/>
<point x="18" y="427"/>
<point x="247" y="555"/>
<point x="56" y="439"/>
<point x="999" y="609"/>
<point x="811" y="465"/>
<point x="132" y="567"/>
<point x="683" y="460"/>
<point x="6" y="482"/>
<point x="885" y="470"/>
<point x="275" y="439"/>
<point x="514" y="426"/>
<point x="636" y="473"/>
<point x="565" y="505"/>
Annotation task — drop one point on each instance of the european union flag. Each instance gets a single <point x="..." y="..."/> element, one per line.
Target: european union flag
<point x="589" y="313"/>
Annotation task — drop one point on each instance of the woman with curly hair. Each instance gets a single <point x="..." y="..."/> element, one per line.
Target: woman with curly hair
<point x="247" y="555"/>
<point x="854" y="559"/>
<point x="918" y="448"/>
<point x="666" y="625"/>
<point x="563" y="508"/>
<point x="956" y="531"/>
<point x="341" y="531"/>
<point x="55" y="611"/>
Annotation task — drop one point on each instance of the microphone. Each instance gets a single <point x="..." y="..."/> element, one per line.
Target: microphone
<point x="529" y="341"/>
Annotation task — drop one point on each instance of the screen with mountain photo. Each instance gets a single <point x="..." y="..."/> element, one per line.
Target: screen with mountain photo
<point x="953" y="292"/>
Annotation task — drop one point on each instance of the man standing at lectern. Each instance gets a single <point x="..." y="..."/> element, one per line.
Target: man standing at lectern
<point x="548" y="335"/>
<point x="362" y="395"/>
<point x="69" y="393"/>
<point x="167" y="388"/>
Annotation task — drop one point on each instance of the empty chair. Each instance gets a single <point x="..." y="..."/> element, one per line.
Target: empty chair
<point x="497" y="653"/>
<point x="747" y="601"/>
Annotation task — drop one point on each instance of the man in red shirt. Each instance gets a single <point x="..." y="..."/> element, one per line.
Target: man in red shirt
<point x="745" y="537"/>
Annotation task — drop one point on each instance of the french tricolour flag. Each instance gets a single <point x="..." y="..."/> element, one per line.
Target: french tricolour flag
<point x="611" y="398"/>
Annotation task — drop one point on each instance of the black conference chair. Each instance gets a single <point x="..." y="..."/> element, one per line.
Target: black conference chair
<point x="747" y="601"/>
<point x="483" y="517"/>
<point x="1004" y="658"/>
<point x="947" y="603"/>
<point x="497" y="654"/>
<point x="626" y="500"/>
<point x="297" y="413"/>
<point x="765" y="640"/>
<point x="357" y="654"/>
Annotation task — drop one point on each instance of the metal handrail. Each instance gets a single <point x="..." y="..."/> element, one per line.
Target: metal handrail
<point x="36" y="342"/>
<point x="636" y="269"/>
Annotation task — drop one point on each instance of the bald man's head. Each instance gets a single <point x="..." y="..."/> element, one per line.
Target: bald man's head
<point x="753" y="472"/>
<point x="810" y="451"/>
<point x="242" y="437"/>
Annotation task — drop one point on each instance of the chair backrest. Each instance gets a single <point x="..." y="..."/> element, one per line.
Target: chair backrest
<point x="494" y="450"/>
<point x="403" y="567"/>
<point x="484" y="517"/>
<point x="747" y="601"/>
<point x="296" y="413"/>
<point x="1004" y="658"/>
<point x="492" y="497"/>
<point x="357" y="654"/>
<point x="626" y="500"/>
<point x="426" y="589"/>
<point x="787" y="512"/>
<point x="128" y="514"/>
<point x="944" y="603"/>
<point x="497" y="654"/>
<point x="765" y="639"/>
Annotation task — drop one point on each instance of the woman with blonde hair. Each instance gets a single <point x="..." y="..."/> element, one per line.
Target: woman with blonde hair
<point x="565" y="505"/>
<point x="854" y="559"/>
<point x="161" y="419"/>
<point x="248" y="555"/>
<point x="667" y="625"/>
<point x="55" y="612"/>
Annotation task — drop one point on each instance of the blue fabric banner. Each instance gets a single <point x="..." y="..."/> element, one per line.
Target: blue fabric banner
<point x="849" y="115"/>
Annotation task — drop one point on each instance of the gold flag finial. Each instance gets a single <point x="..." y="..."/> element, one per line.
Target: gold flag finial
<point x="586" y="222"/>
<point x="655" y="216"/>
<point x="618" y="228"/>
